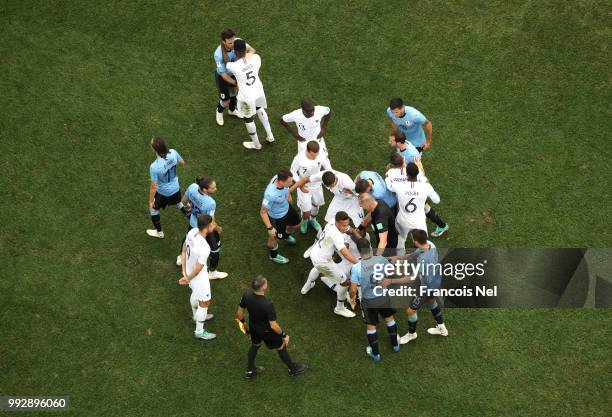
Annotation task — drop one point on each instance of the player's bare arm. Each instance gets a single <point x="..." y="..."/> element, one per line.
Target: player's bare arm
<point x="266" y="221"/>
<point x="348" y="255"/>
<point x="152" y="191"/>
<point x="291" y="131"/>
<point x="324" y="123"/>
<point x="228" y="79"/>
<point x="353" y="295"/>
<point x="300" y="184"/>
<point x="428" y="131"/>
<point x="188" y="277"/>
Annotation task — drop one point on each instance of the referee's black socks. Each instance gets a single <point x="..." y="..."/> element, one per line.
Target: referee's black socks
<point x="252" y="354"/>
<point x="284" y="355"/>
<point x="434" y="217"/>
<point x="232" y="104"/>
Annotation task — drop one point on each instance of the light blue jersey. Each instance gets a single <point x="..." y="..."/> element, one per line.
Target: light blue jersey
<point x="218" y="55"/>
<point x="410" y="153"/>
<point x="367" y="275"/>
<point x="275" y="200"/>
<point x="379" y="188"/>
<point x="430" y="276"/>
<point x="411" y="124"/>
<point x="163" y="172"/>
<point x="200" y="204"/>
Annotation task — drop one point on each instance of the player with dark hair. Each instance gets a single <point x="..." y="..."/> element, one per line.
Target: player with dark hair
<point x="343" y="189"/>
<point x="310" y="199"/>
<point x="429" y="277"/>
<point x="278" y="214"/>
<point x="411" y="122"/>
<point x="198" y="198"/>
<point x="251" y="97"/>
<point x="165" y="189"/>
<point x="396" y="179"/>
<point x="406" y="149"/>
<point x="226" y="84"/>
<point x="311" y="124"/>
<point x="373" y="183"/>
<point x="264" y="328"/>
<point x="194" y="255"/>
<point x="372" y="305"/>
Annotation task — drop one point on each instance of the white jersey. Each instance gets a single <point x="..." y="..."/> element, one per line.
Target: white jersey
<point x="399" y="175"/>
<point x="246" y="71"/>
<point x="197" y="252"/>
<point x="303" y="167"/>
<point x="344" y="188"/>
<point x="307" y="127"/>
<point x="411" y="197"/>
<point x="330" y="240"/>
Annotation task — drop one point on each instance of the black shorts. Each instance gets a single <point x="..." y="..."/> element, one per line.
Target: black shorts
<point x="214" y="241"/>
<point x="289" y="219"/>
<point x="224" y="88"/>
<point x="272" y="340"/>
<point x="417" y="301"/>
<point x="370" y="315"/>
<point x="161" y="201"/>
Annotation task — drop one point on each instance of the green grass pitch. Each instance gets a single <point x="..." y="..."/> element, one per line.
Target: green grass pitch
<point x="519" y="95"/>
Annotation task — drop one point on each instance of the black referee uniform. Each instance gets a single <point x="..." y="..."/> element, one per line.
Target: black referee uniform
<point x="383" y="220"/>
<point x="261" y="313"/>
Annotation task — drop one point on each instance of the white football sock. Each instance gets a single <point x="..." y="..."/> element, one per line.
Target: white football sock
<point x="200" y="318"/>
<point x="252" y="129"/>
<point x="194" y="304"/>
<point x="313" y="275"/>
<point x="263" y="118"/>
<point x="341" y="295"/>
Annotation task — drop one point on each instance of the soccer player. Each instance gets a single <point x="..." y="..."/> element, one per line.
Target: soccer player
<point x="429" y="276"/>
<point x="251" y="96"/>
<point x="198" y="197"/>
<point x="362" y="276"/>
<point x="383" y="223"/>
<point x="195" y="274"/>
<point x="343" y="189"/>
<point x="411" y="196"/>
<point x="305" y="164"/>
<point x="409" y="120"/>
<point x="226" y="83"/>
<point x="164" y="189"/>
<point x="404" y="148"/>
<point x="311" y="123"/>
<point x="330" y="240"/>
<point x="264" y="328"/>
<point x="278" y="215"/>
<point x="371" y="182"/>
<point x="397" y="174"/>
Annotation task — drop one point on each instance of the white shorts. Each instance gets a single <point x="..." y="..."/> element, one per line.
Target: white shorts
<point x="404" y="227"/>
<point x="331" y="270"/>
<point x="314" y="197"/>
<point x="322" y="146"/>
<point x="350" y="205"/>
<point x="248" y="108"/>
<point x="200" y="288"/>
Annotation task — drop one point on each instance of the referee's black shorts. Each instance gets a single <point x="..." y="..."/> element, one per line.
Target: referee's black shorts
<point x="162" y="201"/>
<point x="223" y="87"/>
<point x="271" y="339"/>
<point x="292" y="218"/>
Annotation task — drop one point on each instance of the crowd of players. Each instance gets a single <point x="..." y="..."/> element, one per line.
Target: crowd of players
<point x="393" y="207"/>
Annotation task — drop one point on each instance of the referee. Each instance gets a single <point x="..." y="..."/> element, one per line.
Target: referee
<point x="264" y="328"/>
<point x="383" y="222"/>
